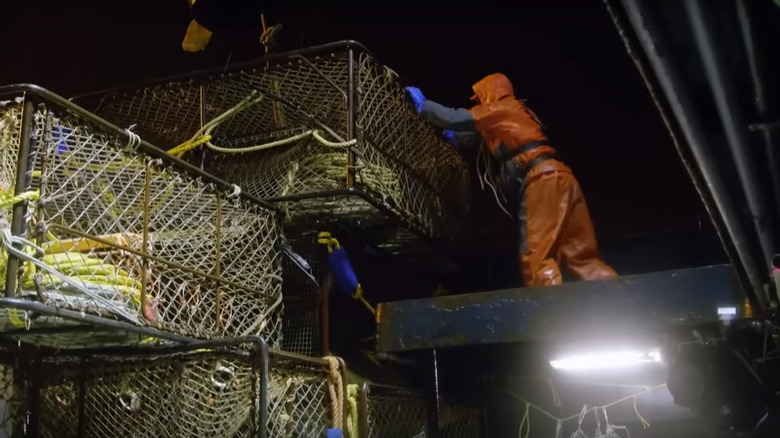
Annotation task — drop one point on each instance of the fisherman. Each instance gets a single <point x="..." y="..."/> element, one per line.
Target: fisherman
<point x="554" y="222"/>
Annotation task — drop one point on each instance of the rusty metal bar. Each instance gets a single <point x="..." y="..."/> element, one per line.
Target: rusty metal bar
<point x="327" y="282"/>
<point x="217" y="263"/>
<point x="345" y="408"/>
<point x="625" y="307"/>
<point x="40" y="212"/>
<point x="22" y="182"/>
<point x="351" y="116"/>
<point x="202" y="113"/>
<point x="145" y="236"/>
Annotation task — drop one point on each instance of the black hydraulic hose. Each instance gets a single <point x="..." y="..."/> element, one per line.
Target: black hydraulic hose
<point x="734" y="124"/>
<point x="706" y="176"/>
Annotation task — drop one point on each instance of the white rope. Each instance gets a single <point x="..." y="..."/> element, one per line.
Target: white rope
<point x="247" y="102"/>
<point x="261" y="322"/>
<point x="331" y="144"/>
<point x="609" y="432"/>
<point x="236" y="191"/>
<point x="556" y="399"/>
<point x="134" y="139"/>
<point x="484" y="179"/>
<point x="285" y="141"/>
<point x="579" y="433"/>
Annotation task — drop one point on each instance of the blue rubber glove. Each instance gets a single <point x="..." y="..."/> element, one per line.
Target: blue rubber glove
<point x="450" y="136"/>
<point x="417" y="97"/>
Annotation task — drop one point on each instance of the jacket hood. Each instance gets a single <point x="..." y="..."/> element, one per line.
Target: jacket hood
<point x="493" y="88"/>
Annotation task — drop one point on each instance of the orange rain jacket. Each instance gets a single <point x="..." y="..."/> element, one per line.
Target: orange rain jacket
<point x="554" y="221"/>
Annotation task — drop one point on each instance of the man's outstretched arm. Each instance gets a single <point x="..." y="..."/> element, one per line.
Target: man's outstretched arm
<point x="456" y="119"/>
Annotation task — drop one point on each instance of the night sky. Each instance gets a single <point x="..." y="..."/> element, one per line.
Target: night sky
<point x="563" y="56"/>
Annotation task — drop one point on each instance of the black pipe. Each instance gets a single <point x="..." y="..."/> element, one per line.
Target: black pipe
<point x="86" y="318"/>
<point x="734" y="124"/>
<point x="759" y="98"/>
<point x="707" y="178"/>
<point x="351" y="117"/>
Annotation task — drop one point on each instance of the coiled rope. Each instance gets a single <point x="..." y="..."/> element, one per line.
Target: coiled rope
<point x="336" y="392"/>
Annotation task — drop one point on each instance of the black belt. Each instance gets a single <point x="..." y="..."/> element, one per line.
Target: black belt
<point x="505" y="156"/>
<point x="502" y="154"/>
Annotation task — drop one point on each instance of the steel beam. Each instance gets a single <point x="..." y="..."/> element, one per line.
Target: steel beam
<point x="624" y="307"/>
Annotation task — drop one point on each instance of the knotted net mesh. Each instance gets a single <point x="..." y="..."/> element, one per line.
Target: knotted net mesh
<point x="400" y="163"/>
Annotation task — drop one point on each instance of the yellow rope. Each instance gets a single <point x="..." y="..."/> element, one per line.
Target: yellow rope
<point x="203" y="135"/>
<point x="324" y="238"/>
<point x="352" y="424"/>
<point x="188" y="145"/>
<point x="7" y="199"/>
<point x="642" y="420"/>
<point x="74" y="265"/>
<point x="267" y="35"/>
<point x="205" y="131"/>
<point x="336" y="392"/>
<point x="358" y="295"/>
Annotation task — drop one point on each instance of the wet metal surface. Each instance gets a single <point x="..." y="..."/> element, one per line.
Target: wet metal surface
<point x="617" y="308"/>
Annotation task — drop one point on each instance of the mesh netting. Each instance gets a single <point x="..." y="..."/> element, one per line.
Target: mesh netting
<point x="457" y="421"/>
<point x="131" y="237"/>
<point x="12" y="398"/>
<point x="394" y="412"/>
<point x="10" y="122"/>
<point x="298" y="400"/>
<point x="197" y="393"/>
<point x="301" y="326"/>
<point x="399" y="160"/>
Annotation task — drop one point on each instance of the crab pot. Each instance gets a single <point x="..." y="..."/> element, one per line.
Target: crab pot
<point x="115" y="228"/>
<point x="303" y="396"/>
<point x="458" y="421"/>
<point x="395" y="412"/>
<point x="392" y="412"/>
<point x="374" y="160"/>
<point x="202" y="390"/>
<point x="302" y="322"/>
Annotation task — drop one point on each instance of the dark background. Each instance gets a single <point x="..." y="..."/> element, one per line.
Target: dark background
<point x="564" y="57"/>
